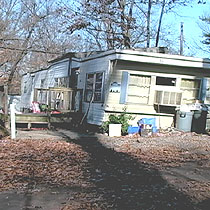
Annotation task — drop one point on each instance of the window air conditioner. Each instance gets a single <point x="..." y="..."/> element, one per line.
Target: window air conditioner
<point x="168" y="98"/>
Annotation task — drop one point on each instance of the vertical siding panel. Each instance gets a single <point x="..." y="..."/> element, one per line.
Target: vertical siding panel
<point x="96" y="112"/>
<point x="124" y="87"/>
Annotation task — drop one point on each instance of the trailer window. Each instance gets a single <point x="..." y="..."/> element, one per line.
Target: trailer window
<point x="94" y="87"/>
<point x="138" y="89"/>
<point x="166" y="81"/>
<point x="190" y="89"/>
<point x="61" y="82"/>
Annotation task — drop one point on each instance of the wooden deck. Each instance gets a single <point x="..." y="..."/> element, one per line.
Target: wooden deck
<point x="43" y="118"/>
<point x="32" y="118"/>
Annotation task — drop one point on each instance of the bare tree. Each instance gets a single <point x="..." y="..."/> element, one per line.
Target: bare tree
<point x="32" y="32"/>
<point x="29" y="35"/>
<point x="206" y="31"/>
<point x="165" y="6"/>
<point x="112" y="23"/>
<point x="160" y="22"/>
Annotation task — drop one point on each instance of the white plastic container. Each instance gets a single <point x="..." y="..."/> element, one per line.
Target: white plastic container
<point x="115" y="129"/>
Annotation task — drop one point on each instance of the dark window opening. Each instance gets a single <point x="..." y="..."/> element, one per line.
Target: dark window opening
<point x="166" y="81"/>
<point x="74" y="77"/>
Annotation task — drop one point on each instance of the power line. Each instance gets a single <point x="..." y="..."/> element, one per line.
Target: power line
<point x="29" y="50"/>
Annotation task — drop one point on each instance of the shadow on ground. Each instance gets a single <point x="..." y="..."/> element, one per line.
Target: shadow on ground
<point x="114" y="180"/>
<point x="122" y="182"/>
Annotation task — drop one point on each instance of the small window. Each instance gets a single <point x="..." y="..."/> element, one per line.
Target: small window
<point x="61" y="82"/>
<point x="94" y="85"/>
<point x="165" y="81"/>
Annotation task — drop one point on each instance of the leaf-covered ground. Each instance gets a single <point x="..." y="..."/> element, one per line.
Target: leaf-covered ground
<point x="168" y="171"/>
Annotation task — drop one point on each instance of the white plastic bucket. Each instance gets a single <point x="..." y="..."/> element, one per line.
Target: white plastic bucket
<point x="115" y="129"/>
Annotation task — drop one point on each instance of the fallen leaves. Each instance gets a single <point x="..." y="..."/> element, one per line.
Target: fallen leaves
<point x="25" y="162"/>
<point x="168" y="150"/>
<point x="110" y="173"/>
<point x="201" y="190"/>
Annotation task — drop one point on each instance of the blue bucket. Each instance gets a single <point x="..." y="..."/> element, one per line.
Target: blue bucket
<point x="133" y="129"/>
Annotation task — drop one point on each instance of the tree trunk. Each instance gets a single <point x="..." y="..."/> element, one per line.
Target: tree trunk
<point x="160" y="22"/>
<point x="148" y="22"/>
<point x="124" y="26"/>
<point x="6" y="120"/>
<point x="20" y="56"/>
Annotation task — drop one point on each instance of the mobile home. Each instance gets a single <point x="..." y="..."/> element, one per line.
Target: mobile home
<point x="146" y="84"/>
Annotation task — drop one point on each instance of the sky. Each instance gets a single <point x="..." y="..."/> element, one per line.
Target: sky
<point x="192" y="31"/>
<point x="193" y="37"/>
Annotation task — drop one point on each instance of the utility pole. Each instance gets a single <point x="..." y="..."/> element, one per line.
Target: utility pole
<point x="181" y="39"/>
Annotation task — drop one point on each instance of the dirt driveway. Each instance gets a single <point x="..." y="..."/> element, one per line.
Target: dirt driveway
<point x="63" y="169"/>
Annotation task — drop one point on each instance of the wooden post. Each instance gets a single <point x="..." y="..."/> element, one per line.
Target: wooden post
<point x="12" y="118"/>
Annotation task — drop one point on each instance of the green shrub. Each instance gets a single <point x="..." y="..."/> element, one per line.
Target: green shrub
<point x="122" y="118"/>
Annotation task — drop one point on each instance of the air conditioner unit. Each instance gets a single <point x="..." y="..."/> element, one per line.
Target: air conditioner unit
<point x="168" y="98"/>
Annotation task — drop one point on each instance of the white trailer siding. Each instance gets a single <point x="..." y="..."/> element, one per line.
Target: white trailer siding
<point x="136" y="67"/>
<point x="27" y="90"/>
<point x="118" y="66"/>
<point x="145" y="65"/>
<point x="42" y="79"/>
<point x="96" y="112"/>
